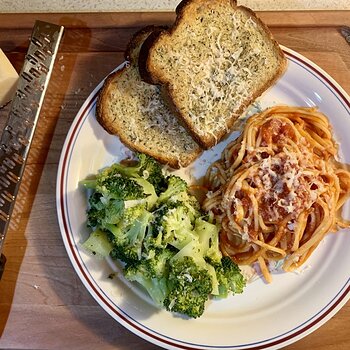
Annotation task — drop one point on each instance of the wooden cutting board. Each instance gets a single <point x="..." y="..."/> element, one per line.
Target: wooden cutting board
<point x="43" y="304"/>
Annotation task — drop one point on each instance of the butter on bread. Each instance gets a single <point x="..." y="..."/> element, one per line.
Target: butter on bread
<point x="214" y="61"/>
<point x="135" y="111"/>
<point x="8" y="79"/>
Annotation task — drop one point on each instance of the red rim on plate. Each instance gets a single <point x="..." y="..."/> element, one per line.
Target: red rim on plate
<point x="304" y="328"/>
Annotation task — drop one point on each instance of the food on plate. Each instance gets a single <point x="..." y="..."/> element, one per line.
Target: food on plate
<point x="152" y="224"/>
<point x="136" y="112"/>
<point x="210" y="65"/>
<point x="278" y="189"/>
<point x="213" y="62"/>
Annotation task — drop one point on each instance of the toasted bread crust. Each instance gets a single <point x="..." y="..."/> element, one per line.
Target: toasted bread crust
<point x="101" y="116"/>
<point x="156" y="76"/>
<point x="112" y="122"/>
<point x="133" y="47"/>
<point x="143" y="55"/>
<point x="114" y="128"/>
<point x="181" y="7"/>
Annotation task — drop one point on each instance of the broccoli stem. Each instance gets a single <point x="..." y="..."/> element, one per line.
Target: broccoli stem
<point x="88" y="183"/>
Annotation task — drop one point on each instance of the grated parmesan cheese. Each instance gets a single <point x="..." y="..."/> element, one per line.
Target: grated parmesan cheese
<point x="223" y="70"/>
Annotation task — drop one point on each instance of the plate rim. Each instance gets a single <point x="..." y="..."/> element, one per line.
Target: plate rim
<point x="332" y="307"/>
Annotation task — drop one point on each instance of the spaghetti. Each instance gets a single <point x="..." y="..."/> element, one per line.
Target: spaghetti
<point x="277" y="190"/>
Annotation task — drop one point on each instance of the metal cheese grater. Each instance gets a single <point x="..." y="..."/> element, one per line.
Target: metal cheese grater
<point x="23" y="116"/>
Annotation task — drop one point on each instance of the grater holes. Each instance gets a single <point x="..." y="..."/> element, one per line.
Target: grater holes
<point x="9" y="163"/>
<point x="5" y="148"/>
<point x="43" y="68"/>
<point x="22" y="140"/>
<point x="27" y="77"/>
<point x="34" y="72"/>
<point x="37" y="42"/>
<point x="6" y="196"/>
<point x="4" y="182"/>
<point x="29" y="89"/>
<point x="21" y="94"/>
<point x="12" y="177"/>
<point x="32" y="59"/>
<point x="39" y="54"/>
<point x="17" y="158"/>
<point x="4" y="216"/>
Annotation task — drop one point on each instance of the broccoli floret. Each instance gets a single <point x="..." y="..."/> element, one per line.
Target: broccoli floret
<point x="175" y="185"/>
<point x="152" y="274"/>
<point x="161" y="211"/>
<point x="145" y="167"/>
<point x="209" y="240"/>
<point x="190" y="201"/>
<point x="159" y="261"/>
<point x="130" y="232"/>
<point x="172" y="225"/>
<point x="128" y="182"/>
<point x="119" y="187"/>
<point x="98" y="244"/>
<point x="155" y="287"/>
<point x="154" y="240"/>
<point x="177" y="192"/>
<point x="189" y="287"/>
<point x="204" y="244"/>
<point x="149" y="191"/>
<point x="229" y="277"/>
<point x="112" y="184"/>
<point x="204" y="249"/>
<point x="127" y="256"/>
<point x="177" y="227"/>
<point x="153" y="225"/>
<point x="151" y="170"/>
<point x="103" y="210"/>
<point x="192" y="204"/>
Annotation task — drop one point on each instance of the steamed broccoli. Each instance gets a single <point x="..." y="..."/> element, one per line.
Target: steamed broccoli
<point x="173" y="225"/>
<point x="189" y="287"/>
<point x="98" y="244"/>
<point x="176" y="214"/>
<point x="144" y="167"/>
<point x="175" y="185"/>
<point x="152" y="172"/>
<point x="130" y="182"/>
<point x="104" y="211"/>
<point x="149" y="191"/>
<point x="204" y="249"/>
<point x="129" y="233"/>
<point x="229" y="277"/>
<point x="153" y="225"/>
<point x="152" y="274"/>
<point x="155" y="287"/>
<point x="209" y="240"/>
<point x="177" y="226"/>
<point x="110" y="183"/>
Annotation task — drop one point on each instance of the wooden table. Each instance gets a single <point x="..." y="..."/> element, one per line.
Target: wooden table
<point x="43" y="304"/>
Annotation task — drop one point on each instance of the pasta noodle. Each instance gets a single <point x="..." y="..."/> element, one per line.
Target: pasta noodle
<point x="278" y="190"/>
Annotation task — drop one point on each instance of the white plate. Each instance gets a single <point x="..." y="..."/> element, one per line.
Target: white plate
<point x="264" y="316"/>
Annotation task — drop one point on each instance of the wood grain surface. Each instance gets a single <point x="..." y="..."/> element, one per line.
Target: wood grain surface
<point x="43" y="304"/>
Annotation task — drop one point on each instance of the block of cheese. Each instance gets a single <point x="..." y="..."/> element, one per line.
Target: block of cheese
<point x="8" y="79"/>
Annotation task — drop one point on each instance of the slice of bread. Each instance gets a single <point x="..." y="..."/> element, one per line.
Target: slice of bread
<point x="135" y="111"/>
<point x="214" y="61"/>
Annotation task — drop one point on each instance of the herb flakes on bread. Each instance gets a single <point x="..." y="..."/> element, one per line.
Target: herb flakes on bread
<point x="213" y="62"/>
<point x="135" y="111"/>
